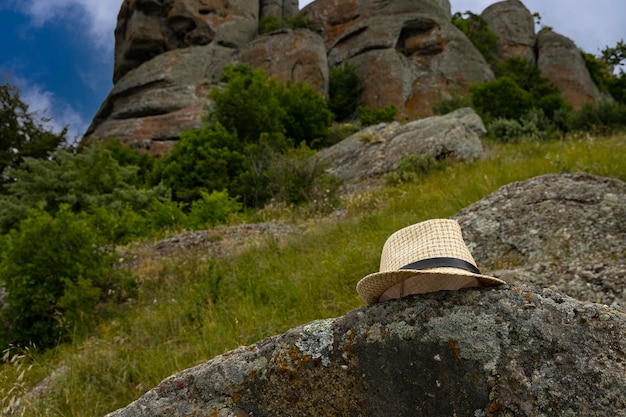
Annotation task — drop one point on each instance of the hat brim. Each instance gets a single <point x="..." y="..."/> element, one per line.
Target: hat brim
<point x="372" y="286"/>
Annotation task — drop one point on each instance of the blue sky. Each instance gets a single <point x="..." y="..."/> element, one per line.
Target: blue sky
<point x="60" y="52"/>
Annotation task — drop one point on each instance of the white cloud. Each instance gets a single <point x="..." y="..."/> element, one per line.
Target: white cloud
<point x="97" y="17"/>
<point x="45" y="105"/>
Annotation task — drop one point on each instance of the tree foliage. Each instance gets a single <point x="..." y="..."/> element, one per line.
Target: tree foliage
<point x="22" y="133"/>
<point x="343" y="91"/>
<point x="55" y="269"/>
<point x="82" y="181"/>
<point x="479" y="33"/>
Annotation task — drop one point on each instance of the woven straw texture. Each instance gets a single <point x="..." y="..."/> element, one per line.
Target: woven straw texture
<point x="429" y="239"/>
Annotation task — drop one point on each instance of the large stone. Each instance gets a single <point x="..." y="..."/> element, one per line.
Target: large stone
<point x="506" y="351"/>
<point x="561" y="62"/>
<point x="406" y="53"/>
<point x="514" y="25"/>
<point x="147" y="28"/>
<point x="149" y="107"/>
<point x="377" y="150"/>
<point x="566" y="230"/>
<point x="290" y="56"/>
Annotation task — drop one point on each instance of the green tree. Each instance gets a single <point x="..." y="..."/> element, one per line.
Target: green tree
<point x="203" y="160"/>
<point x="546" y="96"/>
<point x="343" y="91"/>
<point x="307" y="118"/>
<point x="83" y="181"/>
<point x="55" y="269"/>
<point x="248" y="105"/>
<point x="500" y="98"/>
<point x="22" y="133"/>
<point x="479" y="33"/>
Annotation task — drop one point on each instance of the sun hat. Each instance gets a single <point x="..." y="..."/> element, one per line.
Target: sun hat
<point x="425" y="257"/>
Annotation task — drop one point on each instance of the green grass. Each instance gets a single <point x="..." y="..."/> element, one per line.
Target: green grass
<point x="189" y="310"/>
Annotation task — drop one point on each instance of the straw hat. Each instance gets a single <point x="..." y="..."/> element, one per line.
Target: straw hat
<point x="425" y="257"/>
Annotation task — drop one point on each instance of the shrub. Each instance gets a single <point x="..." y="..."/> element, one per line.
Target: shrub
<point x="306" y="117"/>
<point x="371" y="115"/>
<point x="343" y="91"/>
<point x="602" y="117"/>
<point x="298" y="177"/>
<point x="164" y="214"/>
<point x="455" y="101"/>
<point x="411" y="167"/>
<point x="269" y="24"/>
<point x="83" y="181"/>
<point x="500" y="98"/>
<point x="211" y="209"/>
<point x="505" y="130"/>
<point x="54" y="269"/>
<point x="479" y="33"/>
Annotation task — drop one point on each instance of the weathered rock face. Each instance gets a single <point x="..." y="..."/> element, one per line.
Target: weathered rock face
<point x="379" y="149"/>
<point x="147" y="28"/>
<point x="406" y="53"/>
<point x="567" y="231"/>
<point x="560" y="61"/>
<point x="151" y="105"/>
<point x="506" y="351"/>
<point x="302" y="57"/>
<point x="515" y="27"/>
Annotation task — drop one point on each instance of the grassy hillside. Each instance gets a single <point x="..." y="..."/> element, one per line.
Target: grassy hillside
<point x="190" y="309"/>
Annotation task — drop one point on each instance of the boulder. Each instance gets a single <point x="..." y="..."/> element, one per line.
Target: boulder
<point x="147" y="28"/>
<point x="283" y="9"/>
<point x="406" y="53"/>
<point x="562" y="230"/>
<point x="377" y="150"/>
<point x="561" y="62"/>
<point x="506" y="351"/>
<point x="515" y="27"/>
<point x="149" y="107"/>
<point x="302" y="57"/>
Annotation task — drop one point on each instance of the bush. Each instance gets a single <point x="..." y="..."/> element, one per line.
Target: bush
<point x="343" y="91"/>
<point x="212" y="209"/>
<point x="454" y="102"/>
<point x="411" y="167"/>
<point x="371" y="115"/>
<point x="500" y="98"/>
<point x="602" y="117"/>
<point x="54" y="269"/>
<point x="307" y="117"/>
<point x="83" y="181"/>
<point x="269" y="24"/>
<point x="298" y="177"/>
<point x="479" y="33"/>
<point x="505" y="130"/>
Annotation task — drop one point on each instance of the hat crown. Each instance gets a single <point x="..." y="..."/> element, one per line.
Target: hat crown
<point x="429" y="239"/>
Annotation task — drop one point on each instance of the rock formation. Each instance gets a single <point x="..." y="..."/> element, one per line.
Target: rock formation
<point x="406" y="53"/>
<point x="169" y="53"/>
<point x="560" y="61"/>
<point x="567" y="231"/>
<point x="514" y="25"/>
<point x="377" y="150"/>
<point x="506" y="351"/>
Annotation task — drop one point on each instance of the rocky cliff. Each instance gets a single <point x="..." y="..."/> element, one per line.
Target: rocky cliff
<point x="169" y="53"/>
<point x="514" y="350"/>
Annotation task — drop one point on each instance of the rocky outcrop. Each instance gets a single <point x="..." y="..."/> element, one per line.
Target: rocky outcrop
<point x="290" y="56"/>
<point x="566" y="230"/>
<point x="406" y="53"/>
<point x="505" y="351"/>
<point x="514" y="25"/>
<point x="154" y="103"/>
<point x="560" y="61"/>
<point x="377" y="150"/>
<point x="147" y="28"/>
